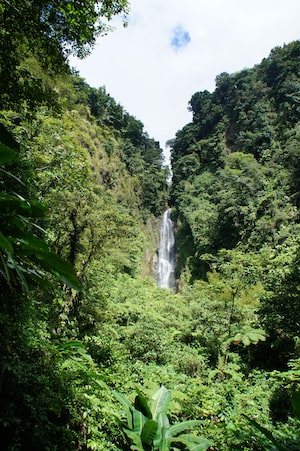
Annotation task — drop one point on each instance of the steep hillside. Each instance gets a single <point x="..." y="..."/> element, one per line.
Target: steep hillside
<point x="82" y="186"/>
<point x="236" y="165"/>
<point x="92" y="166"/>
<point x="93" y="355"/>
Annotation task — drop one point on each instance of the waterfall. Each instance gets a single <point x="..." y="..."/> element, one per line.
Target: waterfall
<point x="166" y="252"/>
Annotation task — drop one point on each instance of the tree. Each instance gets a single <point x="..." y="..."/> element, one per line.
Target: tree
<point x="69" y="26"/>
<point x="24" y="255"/>
<point x="50" y="30"/>
<point x="280" y="306"/>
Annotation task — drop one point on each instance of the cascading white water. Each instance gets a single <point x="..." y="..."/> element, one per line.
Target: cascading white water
<point x="166" y="252"/>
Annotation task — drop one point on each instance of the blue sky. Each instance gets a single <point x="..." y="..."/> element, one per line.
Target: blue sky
<point x="171" y="49"/>
<point x="180" y="38"/>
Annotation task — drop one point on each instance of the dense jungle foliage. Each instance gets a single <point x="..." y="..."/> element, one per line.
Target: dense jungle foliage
<point x="93" y="355"/>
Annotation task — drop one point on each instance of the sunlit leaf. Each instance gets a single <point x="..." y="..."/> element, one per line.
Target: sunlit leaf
<point x="160" y="402"/>
<point x="248" y="336"/>
<point x="183" y="426"/>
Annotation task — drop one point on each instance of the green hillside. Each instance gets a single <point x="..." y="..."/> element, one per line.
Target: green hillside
<point x="93" y="355"/>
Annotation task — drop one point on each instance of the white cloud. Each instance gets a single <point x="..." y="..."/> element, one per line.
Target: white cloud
<point x="140" y="69"/>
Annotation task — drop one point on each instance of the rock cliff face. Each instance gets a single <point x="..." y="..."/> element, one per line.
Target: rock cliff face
<point x="151" y="232"/>
<point x="149" y="267"/>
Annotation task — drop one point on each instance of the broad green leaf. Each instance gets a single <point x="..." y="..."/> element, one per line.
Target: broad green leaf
<point x="6" y="154"/>
<point x="10" y="203"/>
<point x="140" y="403"/>
<point x="5" y="268"/>
<point x="161" y="438"/>
<point x="160" y="402"/>
<point x="19" y="222"/>
<point x="29" y="245"/>
<point x="56" y="262"/>
<point x="136" y="439"/>
<point x="248" y="336"/>
<point x="69" y="344"/>
<point x="193" y="442"/>
<point x="20" y="270"/>
<point x="128" y="407"/>
<point x="9" y="174"/>
<point x="246" y="340"/>
<point x="70" y="280"/>
<point x="296" y="403"/>
<point x="138" y="421"/>
<point x="59" y="267"/>
<point x="38" y="278"/>
<point x="159" y="406"/>
<point x="158" y="438"/>
<point x="183" y="426"/>
<point x="149" y="431"/>
<point x="256" y="335"/>
<point x="7" y="139"/>
<point x="201" y="446"/>
<point x="237" y="338"/>
<point x="32" y="243"/>
<point x="15" y="204"/>
<point x="5" y="244"/>
<point x="38" y="209"/>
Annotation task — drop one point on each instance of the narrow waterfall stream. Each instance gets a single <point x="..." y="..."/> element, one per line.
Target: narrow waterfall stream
<point x="166" y="252"/>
